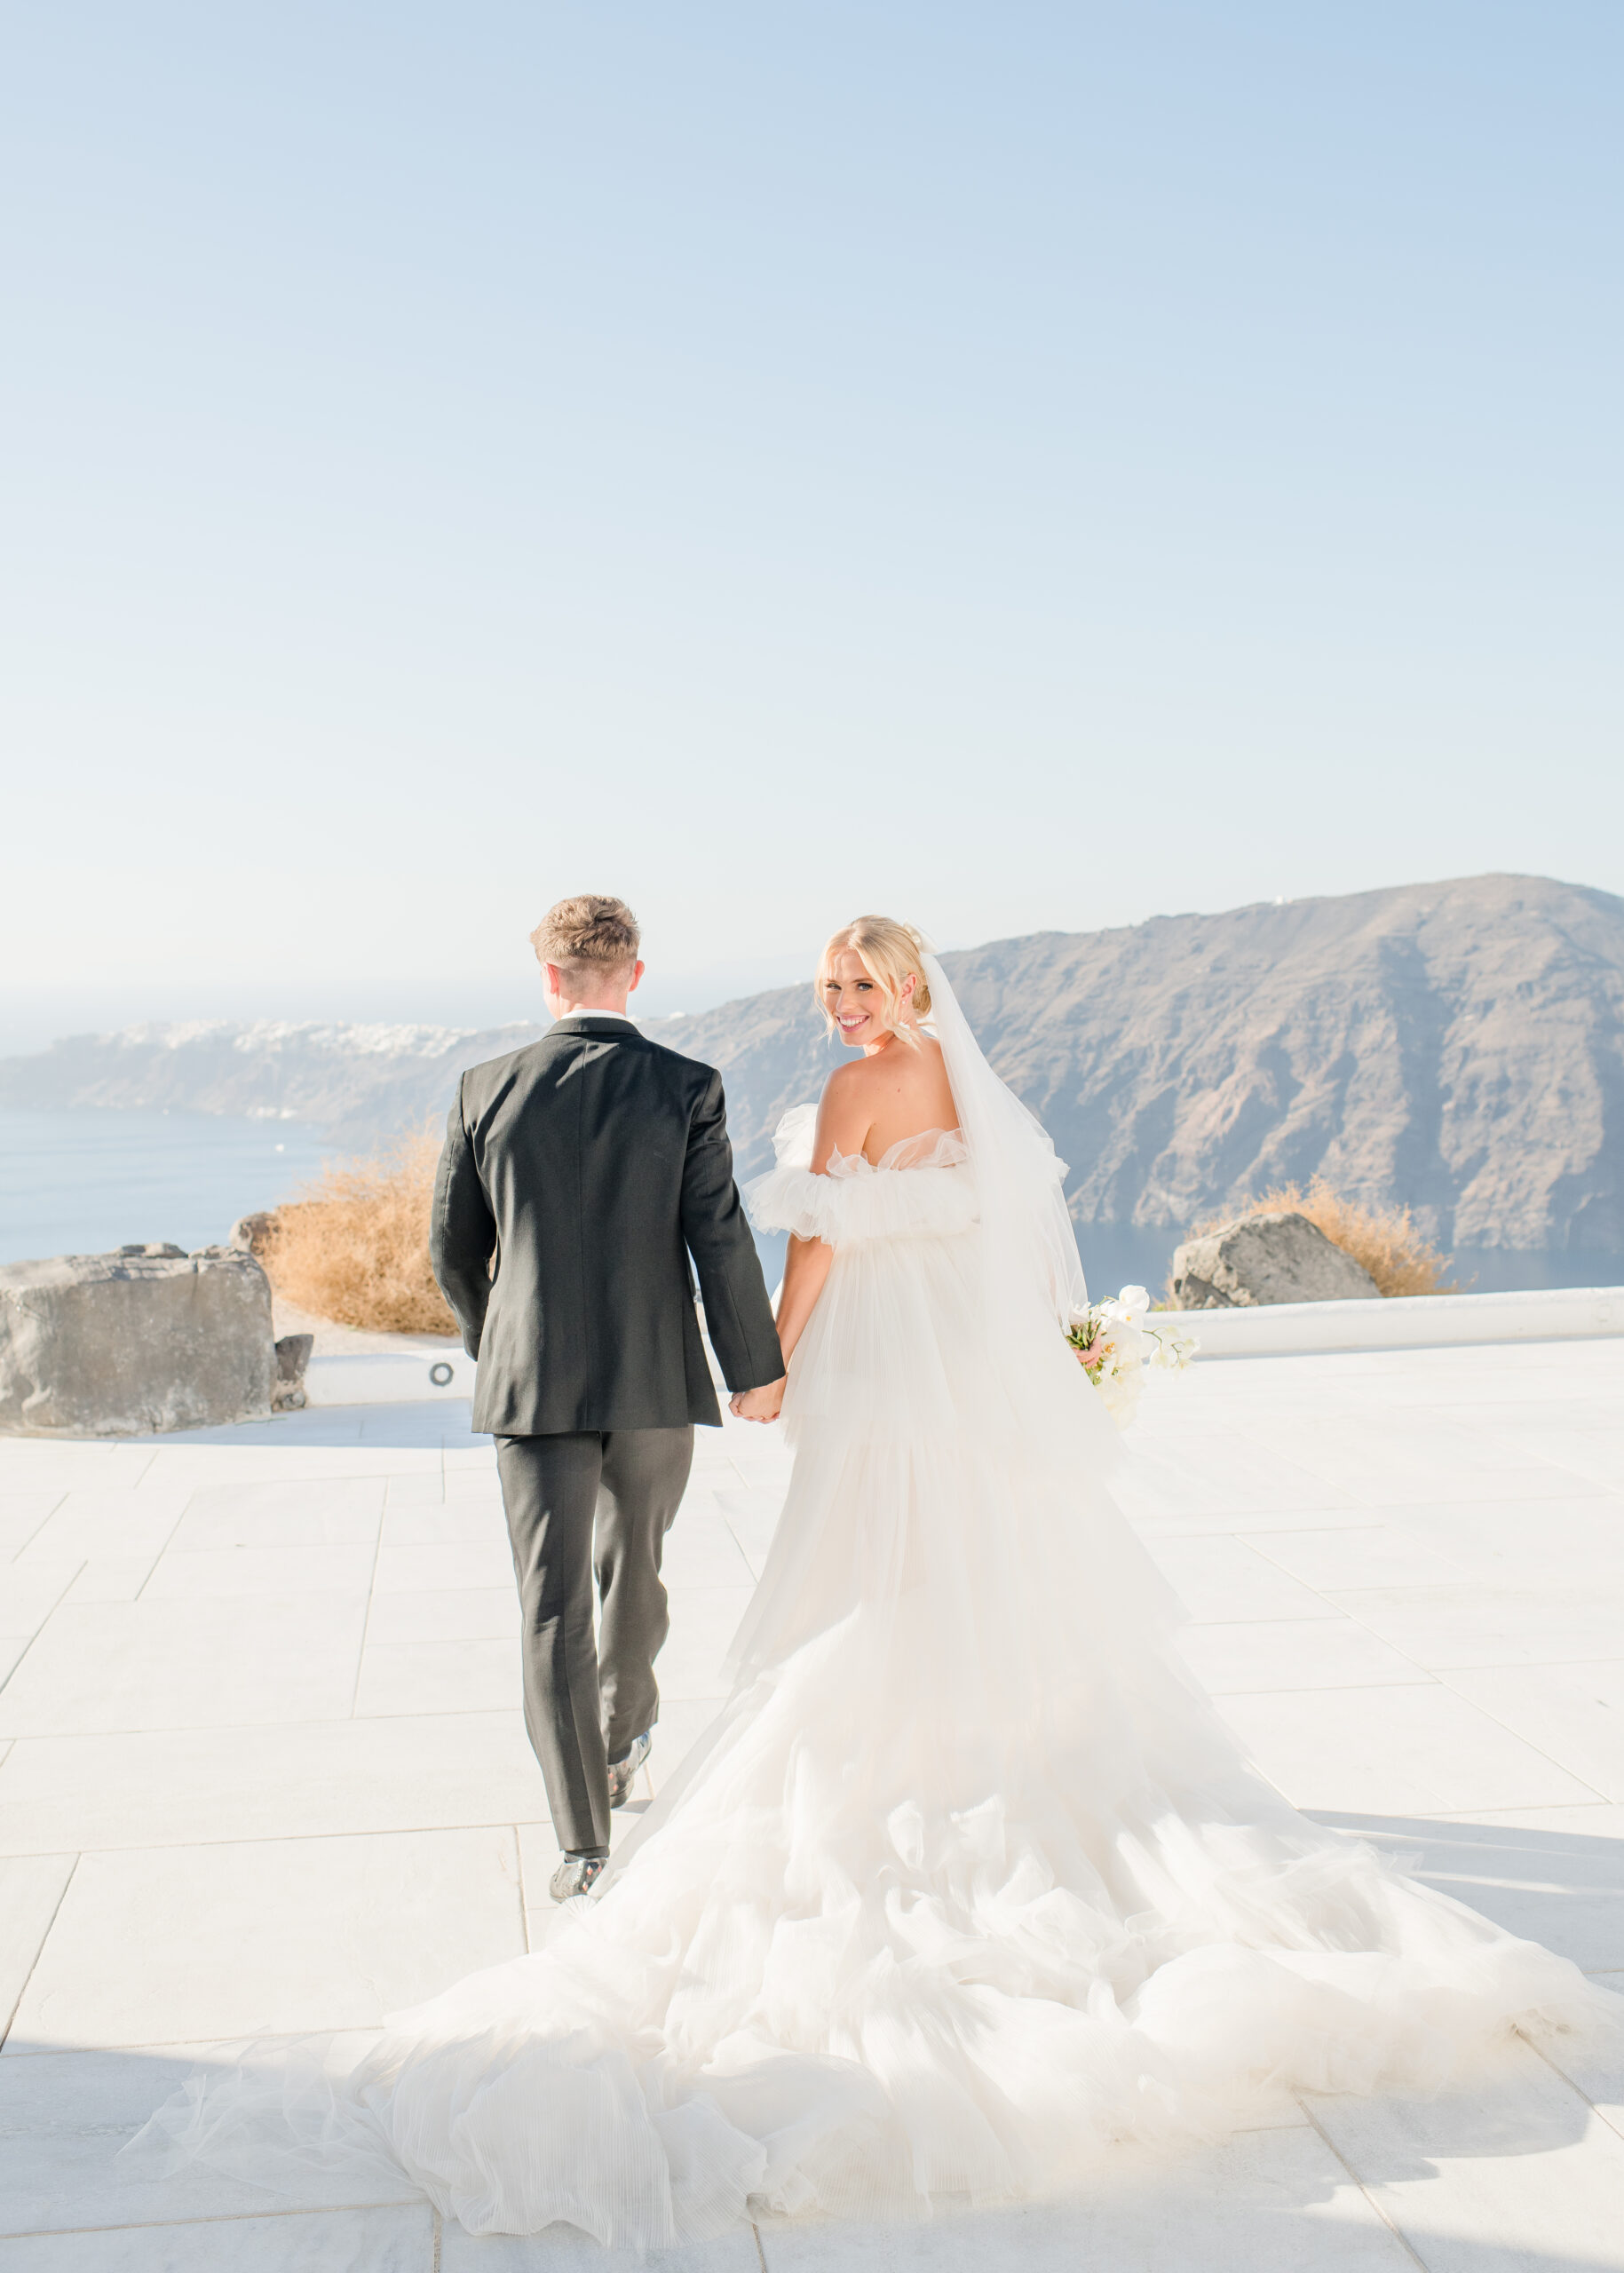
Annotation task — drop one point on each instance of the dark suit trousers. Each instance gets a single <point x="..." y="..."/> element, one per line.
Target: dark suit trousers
<point x="594" y="1505"/>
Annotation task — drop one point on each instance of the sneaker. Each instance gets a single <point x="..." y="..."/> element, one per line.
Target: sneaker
<point x="576" y="1874"/>
<point x="622" y="1772"/>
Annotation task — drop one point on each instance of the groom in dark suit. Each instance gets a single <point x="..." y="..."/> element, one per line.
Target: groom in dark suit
<point x="579" y="1177"/>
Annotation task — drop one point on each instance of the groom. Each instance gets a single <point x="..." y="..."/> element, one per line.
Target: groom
<point x="579" y="1176"/>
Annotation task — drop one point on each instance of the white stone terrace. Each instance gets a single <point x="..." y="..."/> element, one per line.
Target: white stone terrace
<point x="262" y="1770"/>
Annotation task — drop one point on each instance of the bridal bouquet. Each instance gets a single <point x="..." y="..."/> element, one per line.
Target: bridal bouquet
<point x="1116" y="1340"/>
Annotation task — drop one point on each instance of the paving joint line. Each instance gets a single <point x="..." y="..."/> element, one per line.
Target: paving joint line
<point x="1393" y="2228"/>
<point x="366" y="1624"/>
<point x="1517" y="1736"/>
<point x="56" y="1912"/>
<point x="23" y="1660"/>
<point x="164" y="1550"/>
<point x="210" y="2218"/>
<point x="40" y="1527"/>
<point x="1594" y="2106"/>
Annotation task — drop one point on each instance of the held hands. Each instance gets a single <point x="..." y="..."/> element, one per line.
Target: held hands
<point x="762" y="1404"/>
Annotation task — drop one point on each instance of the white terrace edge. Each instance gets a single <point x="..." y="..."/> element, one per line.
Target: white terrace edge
<point x="1279" y="1330"/>
<point x="1408" y="1322"/>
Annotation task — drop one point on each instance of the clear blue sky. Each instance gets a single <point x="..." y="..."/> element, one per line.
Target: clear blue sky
<point x="1014" y="466"/>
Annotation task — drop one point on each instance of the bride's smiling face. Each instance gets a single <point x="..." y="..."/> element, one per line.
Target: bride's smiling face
<point x="855" y="1002"/>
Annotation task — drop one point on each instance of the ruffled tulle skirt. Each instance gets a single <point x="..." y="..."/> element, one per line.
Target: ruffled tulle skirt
<point x="965" y="1886"/>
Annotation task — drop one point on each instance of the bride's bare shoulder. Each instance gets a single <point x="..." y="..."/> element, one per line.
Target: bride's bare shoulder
<point x="845" y="1112"/>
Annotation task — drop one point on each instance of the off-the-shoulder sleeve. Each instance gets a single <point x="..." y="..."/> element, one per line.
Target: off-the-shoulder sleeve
<point x="786" y="1197"/>
<point x="861" y="1202"/>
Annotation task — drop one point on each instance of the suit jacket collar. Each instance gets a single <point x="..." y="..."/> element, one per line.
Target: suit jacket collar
<point x="593" y="1022"/>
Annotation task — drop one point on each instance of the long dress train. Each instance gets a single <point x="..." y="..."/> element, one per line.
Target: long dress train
<point x="965" y="1884"/>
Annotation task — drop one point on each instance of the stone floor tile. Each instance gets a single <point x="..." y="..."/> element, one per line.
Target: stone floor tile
<point x="202" y="1663"/>
<point x="704" y="1622"/>
<point x="1516" y="2173"/>
<point x="1471" y="1623"/>
<point x="1574" y="1713"/>
<point x="1267" y="2202"/>
<point x="268" y="1936"/>
<point x="1559" y="1404"/>
<point x="449" y="1566"/>
<point x="335" y="1511"/>
<point x="751" y="1514"/>
<point x="1378" y="1555"/>
<point x="565" y="2249"/>
<point x="1406" y="1457"/>
<point x="21" y="1514"/>
<point x="1293" y="1653"/>
<point x="478" y="1458"/>
<point x="459" y="1614"/>
<point x="31" y="1889"/>
<point x="279" y="1572"/>
<point x="409" y="1677"/>
<point x="260" y="1572"/>
<point x="1570" y="1538"/>
<point x="190" y="1785"/>
<point x="12" y="1647"/>
<point x="104" y="1523"/>
<point x="43" y="1463"/>
<point x="421" y="1491"/>
<point x="1401" y="1751"/>
<point x="1596" y="2069"/>
<point x="111" y="1578"/>
<point x="1221" y="1581"/>
<point x="446" y="1523"/>
<point x="1553" y="1875"/>
<point x="65" y="2115"/>
<point x="1596" y="1453"/>
<point x="683" y="1720"/>
<point x="702" y="1551"/>
<point x="1257" y="1528"/>
<point x="387" y="2240"/>
<point x="1191" y="1470"/>
<point x="28" y="1596"/>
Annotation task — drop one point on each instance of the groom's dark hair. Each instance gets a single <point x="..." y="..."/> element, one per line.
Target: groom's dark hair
<point x="587" y="937"/>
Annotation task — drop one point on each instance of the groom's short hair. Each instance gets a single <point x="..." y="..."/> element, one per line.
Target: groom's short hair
<point x="588" y="937"/>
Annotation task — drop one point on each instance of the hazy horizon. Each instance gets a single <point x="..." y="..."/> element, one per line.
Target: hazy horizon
<point x="31" y="1021"/>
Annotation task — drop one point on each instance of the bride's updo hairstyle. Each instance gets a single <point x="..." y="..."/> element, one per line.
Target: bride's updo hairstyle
<point x="890" y="953"/>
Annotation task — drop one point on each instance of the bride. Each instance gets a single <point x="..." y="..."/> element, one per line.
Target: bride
<point x="967" y="1883"/>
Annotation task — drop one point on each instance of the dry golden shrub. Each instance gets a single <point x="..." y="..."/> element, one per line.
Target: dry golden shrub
<point x="353" y="1246"/>
<point x="1399" y="1258"/>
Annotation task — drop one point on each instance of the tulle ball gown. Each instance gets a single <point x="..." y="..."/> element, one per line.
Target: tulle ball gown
<point x="967" y="1884"/>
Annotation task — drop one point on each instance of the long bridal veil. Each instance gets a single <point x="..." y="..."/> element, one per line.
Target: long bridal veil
<point x="1031" y="1273"/>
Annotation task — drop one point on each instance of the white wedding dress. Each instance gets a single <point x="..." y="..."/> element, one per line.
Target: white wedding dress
<point x="967" y="1883"/>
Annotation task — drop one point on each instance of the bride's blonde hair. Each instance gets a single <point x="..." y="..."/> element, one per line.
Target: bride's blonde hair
<point x="890" y="953"/>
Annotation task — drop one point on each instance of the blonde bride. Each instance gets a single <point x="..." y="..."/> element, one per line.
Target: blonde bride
<point x="967" y="1884"/>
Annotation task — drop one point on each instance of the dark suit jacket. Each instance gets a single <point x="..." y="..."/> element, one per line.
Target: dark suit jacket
<point x="591" y="1166"/>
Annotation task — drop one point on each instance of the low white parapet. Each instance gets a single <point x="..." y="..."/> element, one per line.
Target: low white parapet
<point x="1408" y="1322"/>
<point x="388" y="1377"/>
<point x="1272" y="1330"/>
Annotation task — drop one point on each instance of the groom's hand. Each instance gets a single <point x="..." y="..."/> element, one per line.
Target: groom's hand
<point x="763" y="1404"/>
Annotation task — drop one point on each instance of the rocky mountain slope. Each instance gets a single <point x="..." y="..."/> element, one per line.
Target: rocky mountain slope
<point x="1457" y="1046"/>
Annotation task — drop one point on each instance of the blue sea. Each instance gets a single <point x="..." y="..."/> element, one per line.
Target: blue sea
<point x="80" y="1183"/>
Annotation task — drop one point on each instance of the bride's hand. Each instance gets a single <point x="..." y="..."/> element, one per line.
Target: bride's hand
<point x="764" y="1404"/>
